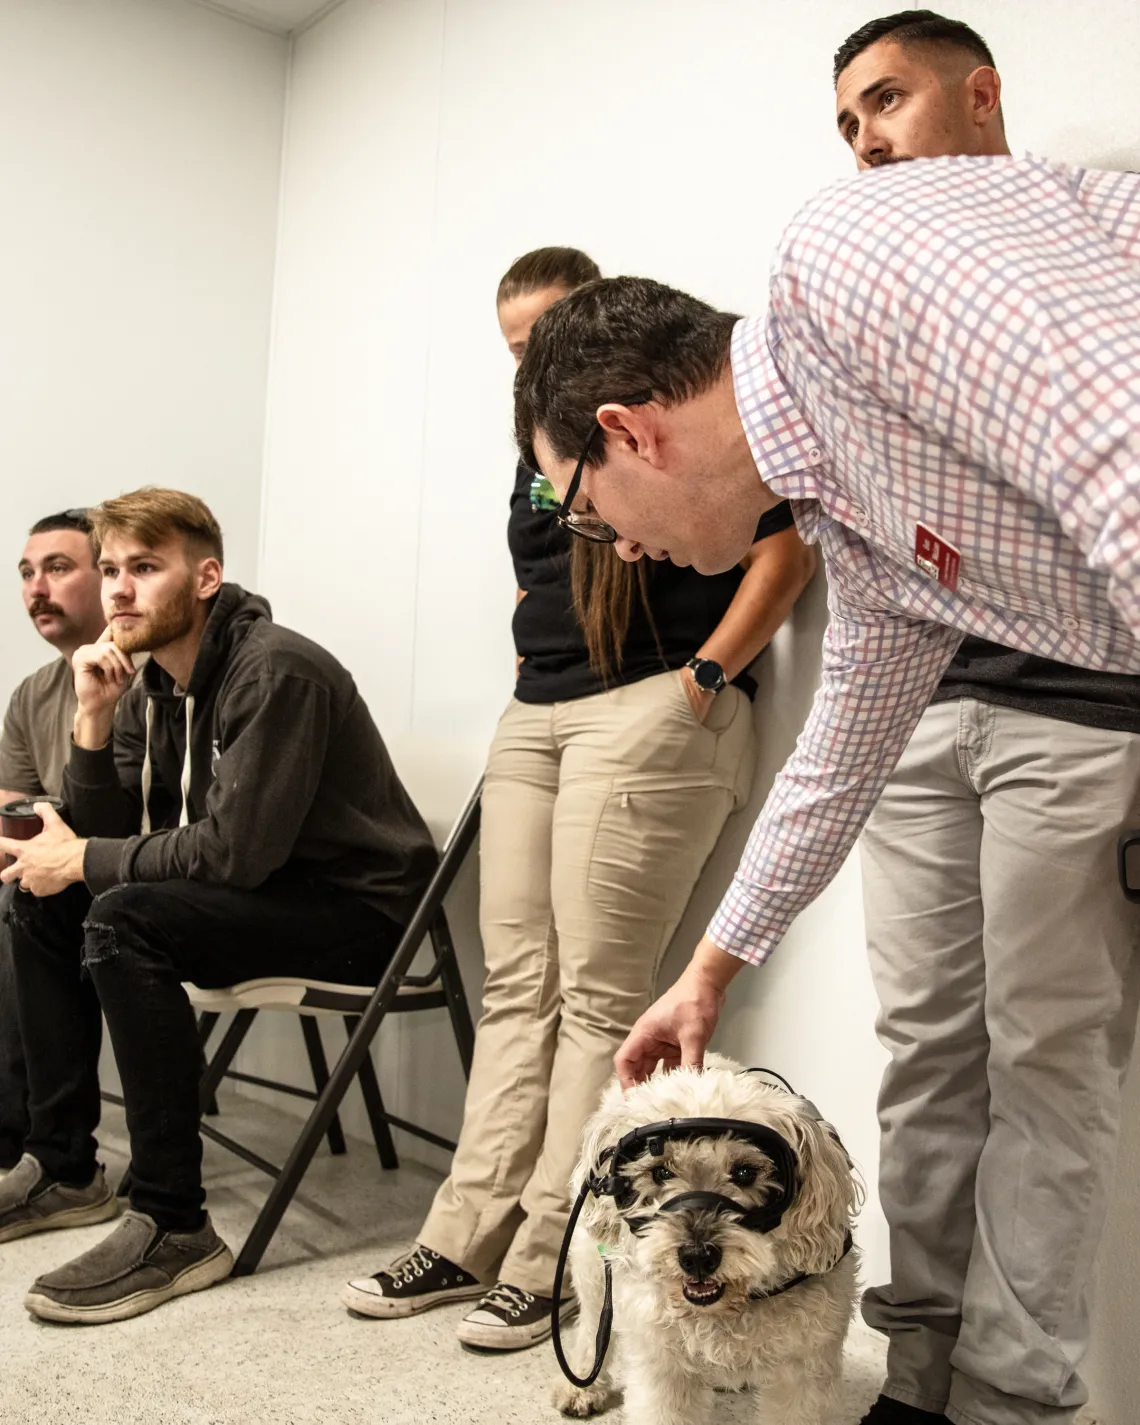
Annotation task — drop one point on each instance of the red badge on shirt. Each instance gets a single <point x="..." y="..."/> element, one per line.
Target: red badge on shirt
<point x="936" y="557"/>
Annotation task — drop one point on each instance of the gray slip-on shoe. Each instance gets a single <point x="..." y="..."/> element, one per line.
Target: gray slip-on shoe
<point x="29" y="1202"/>
<point x="135" y="1269"/>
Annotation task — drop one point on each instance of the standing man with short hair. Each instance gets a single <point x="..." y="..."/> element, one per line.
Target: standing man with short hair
<point x="991" y="896"/>
<point x="60" y="586"/>
<point x="947" y="388"/>
<point x="239" y="817"/>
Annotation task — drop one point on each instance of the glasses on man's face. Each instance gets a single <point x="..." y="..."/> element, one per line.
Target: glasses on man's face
<point x="586" y="524"/>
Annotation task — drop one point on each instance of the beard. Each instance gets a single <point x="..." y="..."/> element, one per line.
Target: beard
<point x="162" y="626"/>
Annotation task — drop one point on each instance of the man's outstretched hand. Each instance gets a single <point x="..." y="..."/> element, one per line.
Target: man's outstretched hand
<point x="678" y="1027"/>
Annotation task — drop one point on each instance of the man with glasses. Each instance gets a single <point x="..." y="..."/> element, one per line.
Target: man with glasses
<point x="947" y="387"/>
<point x="60" y="586"/>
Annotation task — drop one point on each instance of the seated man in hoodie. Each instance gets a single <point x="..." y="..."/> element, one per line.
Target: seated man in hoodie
<point x="241" y="818"/>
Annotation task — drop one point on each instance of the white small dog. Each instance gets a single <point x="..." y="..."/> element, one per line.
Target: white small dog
<point x="702" y="1302"/>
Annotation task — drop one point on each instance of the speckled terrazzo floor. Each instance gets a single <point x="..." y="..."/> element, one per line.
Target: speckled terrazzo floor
<point x="277" y="1348"/>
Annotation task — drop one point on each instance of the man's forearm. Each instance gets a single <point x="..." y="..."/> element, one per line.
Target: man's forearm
<point x="93" y="730"/>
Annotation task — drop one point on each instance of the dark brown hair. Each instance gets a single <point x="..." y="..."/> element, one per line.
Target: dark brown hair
<point x="153" y="515"/>
<point x="609" y="341"/>
<point x="546" y="267"/>
<point x="78" y="520"/>
<point x="912" y="27"/>
<point x="602" y="586"/>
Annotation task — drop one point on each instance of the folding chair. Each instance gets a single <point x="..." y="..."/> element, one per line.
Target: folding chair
<point x="363" y="1009"/>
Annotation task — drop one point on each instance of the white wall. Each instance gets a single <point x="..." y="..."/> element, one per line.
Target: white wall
<point x="429" y="143"/>
<point x="140" y="146"/>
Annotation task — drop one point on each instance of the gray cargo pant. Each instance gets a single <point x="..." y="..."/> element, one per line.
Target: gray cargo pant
<point x="1006" y="962"/>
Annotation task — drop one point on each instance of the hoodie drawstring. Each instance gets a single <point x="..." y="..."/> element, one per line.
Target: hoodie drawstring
<point x="184" y="819"/>
<point x="146" y="770"/>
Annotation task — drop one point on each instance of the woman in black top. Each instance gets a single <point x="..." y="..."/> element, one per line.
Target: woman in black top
<point x="628" y="742"/>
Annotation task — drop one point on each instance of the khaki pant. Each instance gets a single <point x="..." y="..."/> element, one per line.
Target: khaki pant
<point x="598" y="815"/>
<point x="1006" y="962"/>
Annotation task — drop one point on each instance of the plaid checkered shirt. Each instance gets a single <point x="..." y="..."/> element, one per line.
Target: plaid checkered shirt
<point x="954" y="343"/>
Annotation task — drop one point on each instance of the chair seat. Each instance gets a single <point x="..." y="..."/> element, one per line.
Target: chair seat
<point x="302" y="996"/>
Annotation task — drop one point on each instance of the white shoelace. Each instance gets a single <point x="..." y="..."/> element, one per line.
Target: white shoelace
<point x="418" y="1261"/>
<point x="507" y="1298"/>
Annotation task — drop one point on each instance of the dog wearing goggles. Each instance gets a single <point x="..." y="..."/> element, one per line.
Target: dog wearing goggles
<point x="721" y="1208"/>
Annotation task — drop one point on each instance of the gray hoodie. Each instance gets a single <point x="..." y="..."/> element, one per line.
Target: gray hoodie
<point x="268" y="758"/>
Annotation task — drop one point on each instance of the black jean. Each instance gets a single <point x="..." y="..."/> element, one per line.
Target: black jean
<point x="129" y="951"/>
<point x="13" y="1072"/>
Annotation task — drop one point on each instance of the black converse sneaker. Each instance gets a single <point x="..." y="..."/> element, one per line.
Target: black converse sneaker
<point x="415" y="1282"/>
<point x="510" y="1319"/>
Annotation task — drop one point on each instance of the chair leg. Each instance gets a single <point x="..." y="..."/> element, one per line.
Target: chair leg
<point x="457" y="1006"/>
<point x="374" y="1103"/>
<point x="224" y="1056"/>
<point x="206" y="1022"/>
<point x="319" y="1065"/>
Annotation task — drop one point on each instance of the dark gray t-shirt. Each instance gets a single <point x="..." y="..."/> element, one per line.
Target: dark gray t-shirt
<point x="1010" y="679"/>
<point x="37" y="731"/>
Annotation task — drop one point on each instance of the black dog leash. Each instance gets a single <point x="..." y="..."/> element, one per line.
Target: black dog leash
<point x="605" y="1320"/>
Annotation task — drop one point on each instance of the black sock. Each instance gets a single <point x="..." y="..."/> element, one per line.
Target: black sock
<point x="166" y="1222"/>
<point x="77" y="1182"/>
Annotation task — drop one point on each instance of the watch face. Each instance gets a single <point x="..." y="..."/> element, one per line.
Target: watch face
<point x="708" y="675"/>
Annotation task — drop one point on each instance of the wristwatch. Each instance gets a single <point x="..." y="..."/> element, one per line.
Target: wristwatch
<point x="707" y="674"/>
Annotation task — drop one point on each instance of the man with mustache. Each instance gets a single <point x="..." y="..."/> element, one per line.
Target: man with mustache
<point x="60" y="587"/>
<point x="232" y="813"/>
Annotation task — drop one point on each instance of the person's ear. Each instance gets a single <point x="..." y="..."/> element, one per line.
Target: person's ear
<point x="983" y="87"/>
<point x="633" y="428"/>
<point x="209" y="577"/>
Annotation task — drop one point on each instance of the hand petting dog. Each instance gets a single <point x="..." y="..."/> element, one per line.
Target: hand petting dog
<point x="676" y="1029"/>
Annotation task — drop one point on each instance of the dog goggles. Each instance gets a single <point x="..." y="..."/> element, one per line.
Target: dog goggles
<point x="651" y="1139"/>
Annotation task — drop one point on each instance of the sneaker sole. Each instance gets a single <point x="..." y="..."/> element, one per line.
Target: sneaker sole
<point x="85" y="1216"/>
<point x="383" y="1308"/>
<point x="474" y="1337"/>
<point x="206" y="1273"/>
